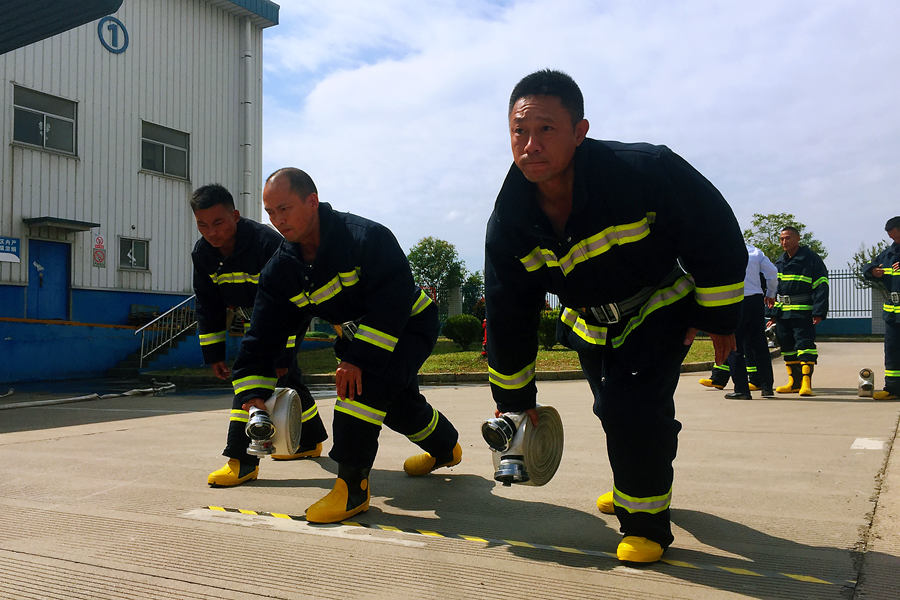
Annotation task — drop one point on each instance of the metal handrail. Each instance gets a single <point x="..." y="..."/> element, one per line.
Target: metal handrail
<point x="162" y="331"/>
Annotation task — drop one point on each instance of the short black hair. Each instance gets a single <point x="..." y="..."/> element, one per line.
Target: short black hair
<point x="299" y="181"/>
<point x="791" y="228"/>
<point x="210" y="195"/>
<point x="548" y="82"/>
<point x="892" y="223"/>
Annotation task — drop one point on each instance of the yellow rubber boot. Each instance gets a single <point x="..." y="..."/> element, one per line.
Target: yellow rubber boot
<point x="605" y="504"/>
<point x="313" y="452"/>
<point x="806" y="383"/>
<point x="885" y="395"/>
<point x="753" y="387"/>
<point x="710" y="383"/>
<point x="349" y="496"/>
<point x="232" y="474"/>
<point x="423" y="464"/>
<point x="636" y="549"/>
<point x="793" y="384"/>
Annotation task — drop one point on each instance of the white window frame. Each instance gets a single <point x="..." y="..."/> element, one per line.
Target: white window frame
<point x="127" y="267"/>
<point x="45" y="127"/>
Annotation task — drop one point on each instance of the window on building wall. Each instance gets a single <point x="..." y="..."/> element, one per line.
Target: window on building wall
<point x="164" y="150"/>
<point x="133" y="254"/>
<point x="43" y="120"/>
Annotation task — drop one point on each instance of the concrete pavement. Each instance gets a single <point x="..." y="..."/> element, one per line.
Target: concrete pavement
<point x="775" y="498"/>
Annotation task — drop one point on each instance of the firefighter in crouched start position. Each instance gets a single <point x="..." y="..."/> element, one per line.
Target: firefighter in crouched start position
<point x="607" y="227"/>
<point x="349" y="271"/>
<point x="800" y="304"/>
<point x="227" y="260"/>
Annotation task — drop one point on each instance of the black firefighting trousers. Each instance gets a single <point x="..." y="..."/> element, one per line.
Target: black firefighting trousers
<point x="892" y="357"/>
<point x="752" y="346"/>
<point x="395" y="392"/>
<point x="634" y="387"/>
<point x="797" y="339"/>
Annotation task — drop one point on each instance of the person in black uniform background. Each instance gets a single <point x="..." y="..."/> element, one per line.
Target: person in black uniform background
<point x="886" y="268"/>
<point x="351" y="272"/>
<point x="609" y="228"/>
<point x="227" y="260"/>
<point x="800" y="304"/>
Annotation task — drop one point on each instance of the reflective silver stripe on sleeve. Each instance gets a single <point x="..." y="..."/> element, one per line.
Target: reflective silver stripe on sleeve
<point x="301" y="300"/>
<point x="420" y="304"/>
<point x="720" y="295"/>
<point x="239" y="415"/>
<point x="207" y="339"/>
<point x="291" y="342"/>
<point x="592" y="334"/>
<point x="376" y="338"/>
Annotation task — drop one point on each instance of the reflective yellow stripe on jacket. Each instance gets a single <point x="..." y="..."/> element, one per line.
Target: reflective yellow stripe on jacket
<point x="223" y="278"/>
<point x="329" y="290"/>
<point x="588" y="248"/>
<point x="720" y="295"/>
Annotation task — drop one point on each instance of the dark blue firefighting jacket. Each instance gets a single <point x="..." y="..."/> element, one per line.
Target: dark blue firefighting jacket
<point x="890" y="280"/>
<point x="359" y="274"/>
<point x="230" y="282"/>
<point x="638" y="211"/>
<point x="802" y="286"/>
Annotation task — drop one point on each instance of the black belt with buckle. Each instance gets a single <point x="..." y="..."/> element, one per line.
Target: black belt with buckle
<point x="795" y="299"/>
<point x="895" y="297"/>
<point x="613" y="312"/>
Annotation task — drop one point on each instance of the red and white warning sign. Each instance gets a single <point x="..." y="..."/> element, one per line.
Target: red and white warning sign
<point x="98" y="254"/>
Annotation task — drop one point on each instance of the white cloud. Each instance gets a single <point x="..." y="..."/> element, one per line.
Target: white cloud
<point x="397" y="108"/>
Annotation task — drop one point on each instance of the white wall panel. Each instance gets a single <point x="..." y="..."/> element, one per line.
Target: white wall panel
<point x="182" y="70"/>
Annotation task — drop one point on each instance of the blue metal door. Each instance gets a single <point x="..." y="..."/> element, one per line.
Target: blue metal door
<point x="48" y="280"/>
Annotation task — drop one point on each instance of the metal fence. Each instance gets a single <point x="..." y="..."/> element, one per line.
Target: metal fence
<point x="845" y="299"/>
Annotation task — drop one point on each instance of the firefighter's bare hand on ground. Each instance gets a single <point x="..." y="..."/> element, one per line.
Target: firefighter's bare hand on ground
<point x="257" y="402"/>
<point x="348" y="380"/>
<point x="221" y="370"/>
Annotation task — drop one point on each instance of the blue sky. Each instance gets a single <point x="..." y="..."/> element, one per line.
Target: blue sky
<point x="397" y="108"/>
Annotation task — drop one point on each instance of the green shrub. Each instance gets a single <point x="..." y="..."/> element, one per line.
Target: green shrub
<point x="464" y="330"/>
<point x="547" y="328"/>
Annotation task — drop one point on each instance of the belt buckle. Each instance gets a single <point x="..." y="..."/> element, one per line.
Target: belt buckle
<point x="895" y="297"/>
<point x="785" y="299"/>
<point x="349" y="329"/>
<point x="606" y="314"/>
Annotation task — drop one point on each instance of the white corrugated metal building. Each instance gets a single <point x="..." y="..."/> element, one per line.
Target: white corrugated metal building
<point x="108" y="128"/>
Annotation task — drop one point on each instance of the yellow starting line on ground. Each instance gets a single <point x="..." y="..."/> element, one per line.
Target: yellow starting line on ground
<point x="511" y="543"/>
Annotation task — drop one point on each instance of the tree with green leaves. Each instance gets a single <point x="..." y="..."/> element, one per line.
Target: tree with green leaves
<point x="858" y="262"/>
<point x="436" y="264"/>
<point x="472" y="292"/>
<point x="765" y="229"/>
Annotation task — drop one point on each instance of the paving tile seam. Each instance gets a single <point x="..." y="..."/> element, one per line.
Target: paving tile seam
<point x="175" y="581"/>
<point x="799" y="577"/>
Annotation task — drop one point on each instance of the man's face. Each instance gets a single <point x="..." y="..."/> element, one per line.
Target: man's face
<point x="790" y="241"/>
<point x="295" y="218"/>
<point x="894" y="234"/>
<point x="543" y="138"/>
<point x="218" y="225"/>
